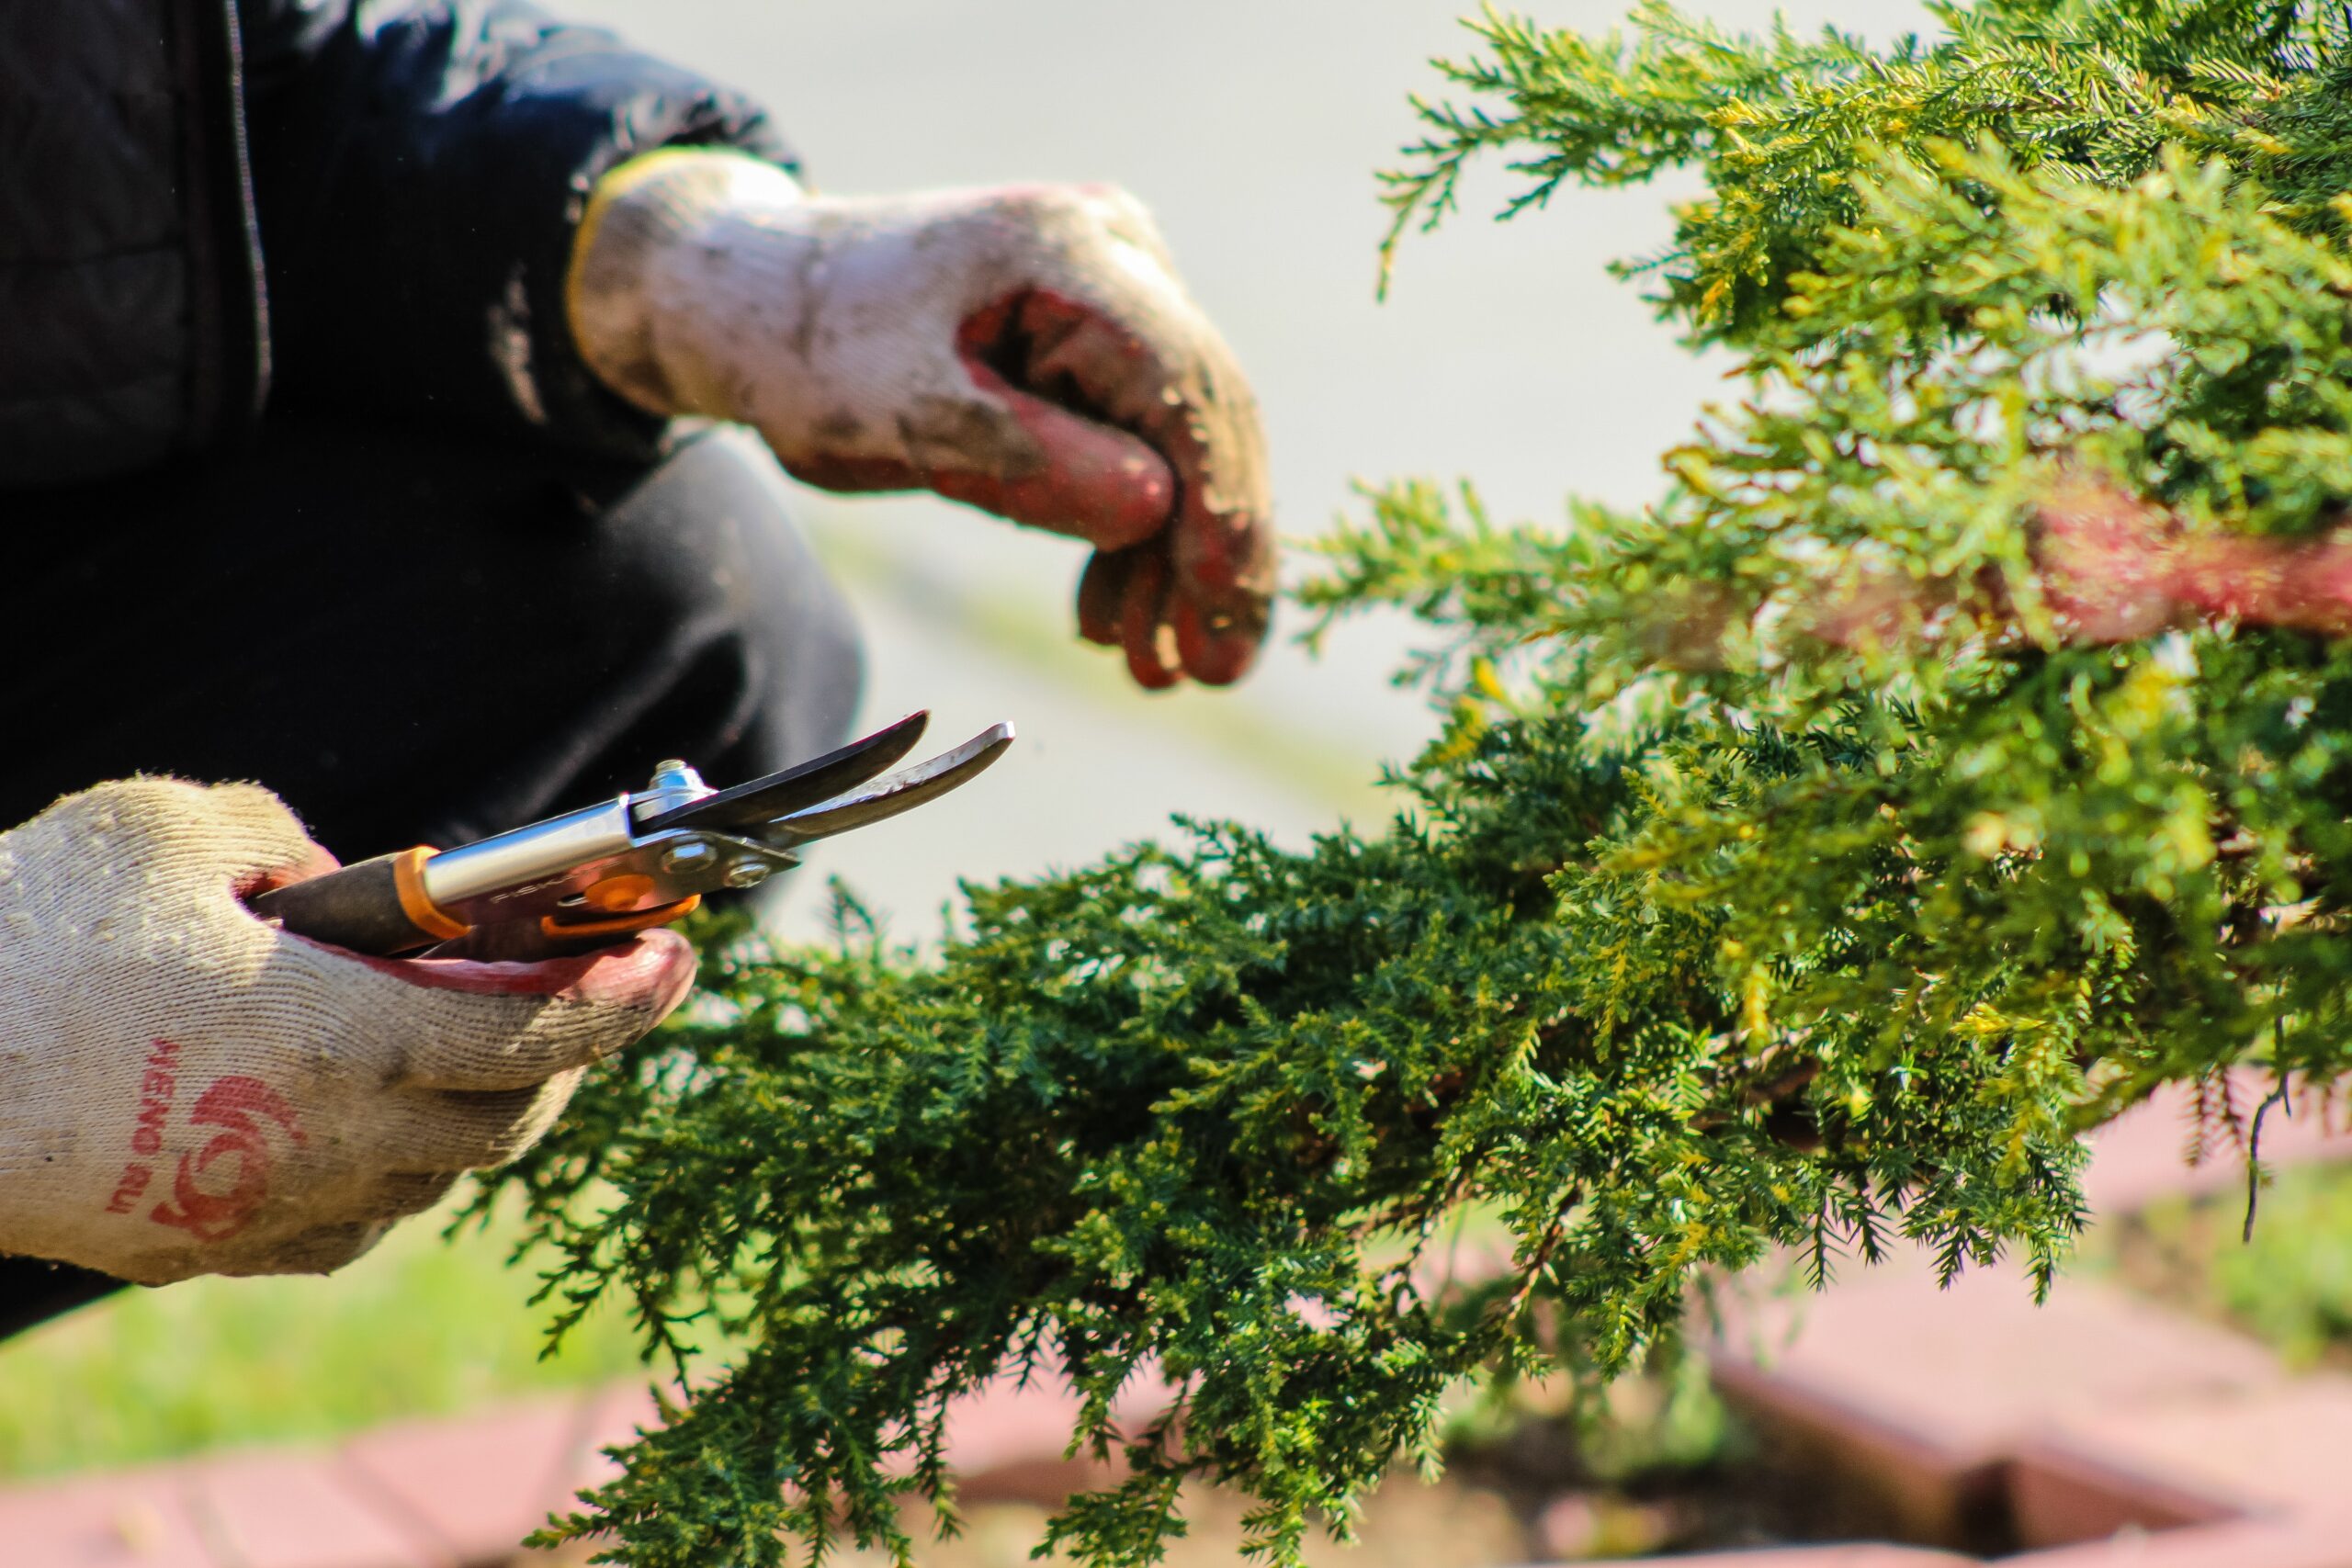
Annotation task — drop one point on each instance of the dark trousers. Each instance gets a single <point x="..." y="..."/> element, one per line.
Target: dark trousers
<point x="413" y="639"/>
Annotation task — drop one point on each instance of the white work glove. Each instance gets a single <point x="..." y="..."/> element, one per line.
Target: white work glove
<point x="1028" y="350"/>
<point x="185" y="1089"/>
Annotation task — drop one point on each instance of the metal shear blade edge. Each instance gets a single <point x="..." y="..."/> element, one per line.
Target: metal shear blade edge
<point x="894" y="792"/>
<point x="750" y="807"/>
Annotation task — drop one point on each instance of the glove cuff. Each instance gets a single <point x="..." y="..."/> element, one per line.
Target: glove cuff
<point x="637" y="325"/>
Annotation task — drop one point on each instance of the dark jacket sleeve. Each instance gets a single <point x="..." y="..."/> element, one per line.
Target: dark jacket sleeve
<point x="420" y="167"/>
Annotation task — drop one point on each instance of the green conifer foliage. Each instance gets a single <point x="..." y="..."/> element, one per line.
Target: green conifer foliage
<point x="1957" y="752"/>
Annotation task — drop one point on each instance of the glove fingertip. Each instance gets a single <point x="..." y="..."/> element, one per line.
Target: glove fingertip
<point x="1101" y="592"/>
<point x="1214" y="657"/>
<point x="1148" y="670"/>
<point x="1144" y="628"/>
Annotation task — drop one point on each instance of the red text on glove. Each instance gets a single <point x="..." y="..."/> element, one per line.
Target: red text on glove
<point x="156" y="1087"/>
<point x="232" y="1104"/>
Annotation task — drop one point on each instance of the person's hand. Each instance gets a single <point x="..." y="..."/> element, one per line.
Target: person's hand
<point x="1029" y="350"/>
<point x="185" y="1089"/>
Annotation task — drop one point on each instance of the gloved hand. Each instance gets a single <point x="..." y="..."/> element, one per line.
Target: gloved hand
<point x="1028" y="350"/>
<point x="184" y="1089"/>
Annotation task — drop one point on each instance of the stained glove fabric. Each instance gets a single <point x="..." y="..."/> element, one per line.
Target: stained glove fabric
<point x="1029" y="350"/>
<point x="186" y="1089"/>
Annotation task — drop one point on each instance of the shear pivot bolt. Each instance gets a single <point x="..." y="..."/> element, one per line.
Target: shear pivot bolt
<point x="688" y="857"/>
<point x="746" y="873"/>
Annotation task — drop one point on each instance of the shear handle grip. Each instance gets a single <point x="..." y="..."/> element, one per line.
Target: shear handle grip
<point x="375" y="907"/>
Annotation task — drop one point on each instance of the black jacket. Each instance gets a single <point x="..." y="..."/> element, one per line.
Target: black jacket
<point x="210" y="205"/>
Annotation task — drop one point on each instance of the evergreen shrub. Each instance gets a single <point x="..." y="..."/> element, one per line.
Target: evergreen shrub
<point x="1956" y="753"/>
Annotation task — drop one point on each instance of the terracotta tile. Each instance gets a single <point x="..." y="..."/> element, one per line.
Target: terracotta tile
<point x="608" y="1418"/>
<point x="1005" y="1445"/>
<point x="2272" y="1449"/>
<point x="135" y="1518"/>
<point x="2247" y="1544"/>
<point x="2058" y="1495"/>
<point x="1840" y="1556"/>
<point x="605" y="1418"/>
<point x="297" y="1510"/>
<point x="478" y="1483"/>
<point x="1006" y="1441"/>
<point x="1007" y="1424"/>
<point x="1918" y="1394"/>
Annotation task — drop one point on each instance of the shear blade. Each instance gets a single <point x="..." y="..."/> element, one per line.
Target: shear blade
<point x="902" y="791"/>
<point x="755" y="804"/>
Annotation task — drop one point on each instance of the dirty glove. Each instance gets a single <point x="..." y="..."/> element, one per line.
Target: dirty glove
<point x="1028" y="350"/>
<point x="184" y="1089"/>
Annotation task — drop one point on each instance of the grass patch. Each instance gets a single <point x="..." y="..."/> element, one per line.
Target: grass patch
<point x="420" y="1326"/>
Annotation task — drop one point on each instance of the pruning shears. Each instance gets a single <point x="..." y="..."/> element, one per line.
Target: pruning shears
<point x="643" y="859"/>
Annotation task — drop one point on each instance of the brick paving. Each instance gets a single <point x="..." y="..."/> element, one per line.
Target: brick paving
<point x="2104" y="1430"/>
<point x="2108" y="1432"/>
<point x="1927" y="1392"/>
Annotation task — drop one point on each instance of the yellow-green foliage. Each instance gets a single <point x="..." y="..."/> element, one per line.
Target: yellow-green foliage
<point x="1697" y="933"/>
